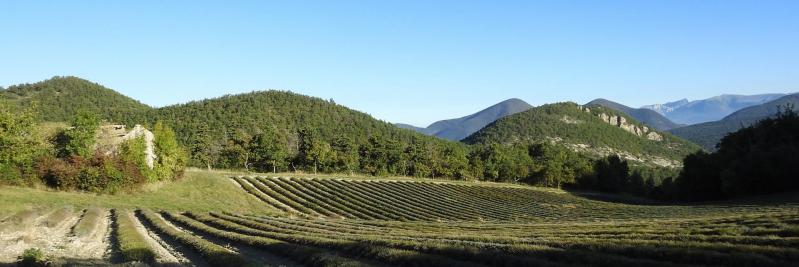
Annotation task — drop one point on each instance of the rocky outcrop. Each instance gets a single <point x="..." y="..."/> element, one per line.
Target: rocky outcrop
<point x="111" y="136"/>
<point x="621" y="122"/>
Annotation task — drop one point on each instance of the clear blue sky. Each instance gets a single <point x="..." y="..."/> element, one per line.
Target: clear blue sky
<point x="409" y="61"/>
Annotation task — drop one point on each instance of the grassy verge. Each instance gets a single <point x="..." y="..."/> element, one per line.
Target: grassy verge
<point x="197" y="191"/>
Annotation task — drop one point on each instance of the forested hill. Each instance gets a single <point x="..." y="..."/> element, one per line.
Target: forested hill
<point x="587" y="130"/>
<point x="60" y="98"/>
<point x="282" y="111"/>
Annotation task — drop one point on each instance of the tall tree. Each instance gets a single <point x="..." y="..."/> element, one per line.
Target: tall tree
<point x="171" y="159"/>
<point x="203" y="149"/>
<point x="81" y="136"/>
<point x="19" y="146"/>
<point x="269" y="150"/>
<point x="345" y="154"/>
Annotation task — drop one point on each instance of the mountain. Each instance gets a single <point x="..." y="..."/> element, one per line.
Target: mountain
<point x="708" y="134"/>
<point x="646" y="116"/>
<point x="59" y="99"/>
<point x="410" y="127"/>
<point x="457" y="129"/>
<point x="596" y="131"/>
<point x="711" y="109"/>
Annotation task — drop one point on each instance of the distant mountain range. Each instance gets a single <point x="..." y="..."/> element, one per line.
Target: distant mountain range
<point x="645" y="116"/>
<point x="710" y="133"/>
<point x="457" y="129"/>
<point x="711" y="109"/>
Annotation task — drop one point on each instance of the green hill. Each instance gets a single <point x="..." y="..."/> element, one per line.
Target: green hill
<point x="283" y="111"/>
<point x="59" y="99"/>
<point x="587" y="130"/>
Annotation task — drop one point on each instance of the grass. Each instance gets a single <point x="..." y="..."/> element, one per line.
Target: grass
<point x="197" y="191"/>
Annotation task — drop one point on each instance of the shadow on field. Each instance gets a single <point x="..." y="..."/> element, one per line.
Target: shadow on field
<point x="617" y="198"/>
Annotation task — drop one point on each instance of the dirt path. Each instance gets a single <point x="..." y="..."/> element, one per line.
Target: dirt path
<point x="95" y="245"/>
<point x="165" y="254"/>
<point x="46" y="234"/>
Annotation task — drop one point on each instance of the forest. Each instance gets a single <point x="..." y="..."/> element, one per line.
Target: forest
<point x="280" y="131"/>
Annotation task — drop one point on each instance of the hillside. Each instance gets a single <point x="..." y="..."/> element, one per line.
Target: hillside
<point x="595" y="131"/>
<point x="708" y="134"/>
<point x="710" y="109"/>
<point x="646" y="116"/>
<point x="283" y="111"/>
<point x="457" y="129"/>
<point x="60" y="98"/>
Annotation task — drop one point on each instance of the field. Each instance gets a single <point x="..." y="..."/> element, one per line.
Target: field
<point x="224" y="219"/>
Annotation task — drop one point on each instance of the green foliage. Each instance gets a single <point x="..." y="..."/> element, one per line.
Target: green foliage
<point x="19" y="146"/>
<point x="33" y="257"/>
<point x="171" y="159"/>
<point x="80" y="138"/>
<point x="567" y="123"/>
<point x="100" y="174"/>
<point x="269" y="150"/>
<point x="61" y="98"/>
<point x="755" y="160"/>
<point x="134" y="152"/>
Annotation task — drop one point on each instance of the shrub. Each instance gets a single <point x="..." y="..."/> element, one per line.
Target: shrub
<point x="32" y="257"/>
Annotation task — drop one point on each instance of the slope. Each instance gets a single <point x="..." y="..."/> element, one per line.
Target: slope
<point x="595" y="131"/>
<point x="284" y="112"/>
<point x="60" y="98"/>
<point x="457" y="129"/>
<point x="646" y="116"/>
<point x="708" y="134"/>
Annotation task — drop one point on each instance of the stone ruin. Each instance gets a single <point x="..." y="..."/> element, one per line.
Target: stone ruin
<point x="111" y="136"/>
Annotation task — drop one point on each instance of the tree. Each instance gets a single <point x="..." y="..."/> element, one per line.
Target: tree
<point x="759" y="159"/>
<point x="238" y="150"/>
<point x="171" y="159"/>
<point x="612" y="173"/>
<point x="204" y="150"/>
<point x="269" y="150"/>
<point x="313" y="152"/>
<point x="345" y="154"/>
<point x="419" y="157"/>
<point x="81" y="136"/>
<point x="19" y="146"/>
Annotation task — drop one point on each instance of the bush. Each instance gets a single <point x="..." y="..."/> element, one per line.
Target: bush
<point x="100" y="174"/>
<point x="32" y="257"/>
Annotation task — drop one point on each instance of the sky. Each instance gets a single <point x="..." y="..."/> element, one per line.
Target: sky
<point x="409" y="61"/>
